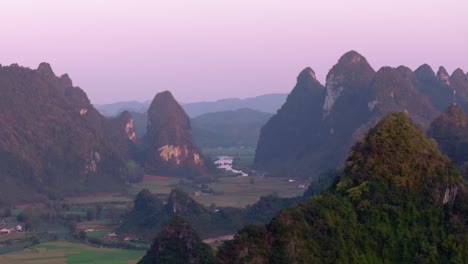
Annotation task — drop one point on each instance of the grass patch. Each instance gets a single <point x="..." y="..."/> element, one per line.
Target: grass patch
<point x="71" y="253"/>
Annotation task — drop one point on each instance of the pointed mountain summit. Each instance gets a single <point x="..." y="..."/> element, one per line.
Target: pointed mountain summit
<point x="437" y="91"/>
<point x="396" y="160"/>
<point x="306" y="75"/>
<point x="169" y="139"/>
<point x="349" y="76"/>
<point x="443" y="76"/>
<point x="425" y="73"/>
<point x="45" y="70"/>
<point x="294" y="125"/>
<point x="304" y="140"/>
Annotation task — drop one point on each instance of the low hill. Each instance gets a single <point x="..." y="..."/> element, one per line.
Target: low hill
<point x="178" y="243"/>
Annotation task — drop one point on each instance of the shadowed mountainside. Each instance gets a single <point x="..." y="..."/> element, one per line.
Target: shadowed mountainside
<point x="314" y="129"/>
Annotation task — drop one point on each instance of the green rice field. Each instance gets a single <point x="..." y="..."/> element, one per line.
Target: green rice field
<point x="71" y="253"/>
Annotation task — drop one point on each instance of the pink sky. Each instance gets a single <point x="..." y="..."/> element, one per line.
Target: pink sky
<point x="206" y="50"/>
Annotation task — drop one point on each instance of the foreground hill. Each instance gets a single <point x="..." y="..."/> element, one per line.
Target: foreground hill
<point x="239" y="128"/>
<point x="314" y="129"/>
<point x="398" y="200"/>
<point x="178" y="243"/>
<point x="53" y="141"/>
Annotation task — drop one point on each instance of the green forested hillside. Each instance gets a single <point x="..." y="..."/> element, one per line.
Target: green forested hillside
<point x="398" y="200"/>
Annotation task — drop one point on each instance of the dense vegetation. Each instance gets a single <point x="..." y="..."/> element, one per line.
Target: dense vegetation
<point x="150" y="214"/>
<point x="398" y="200"/>
<point x="178" y="243"/>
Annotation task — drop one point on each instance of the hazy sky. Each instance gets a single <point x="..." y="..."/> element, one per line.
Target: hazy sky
<point x="205" y="50"/>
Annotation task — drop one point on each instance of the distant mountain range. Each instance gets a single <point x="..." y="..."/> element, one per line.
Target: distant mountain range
<point x="268" y="103"/>
<point x="238" y="128"/>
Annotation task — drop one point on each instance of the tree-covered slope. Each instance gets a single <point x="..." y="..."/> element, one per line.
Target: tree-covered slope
<point x="52" y="140"/>
<point x="398" y="200"/>
<point x="178" y="243"/>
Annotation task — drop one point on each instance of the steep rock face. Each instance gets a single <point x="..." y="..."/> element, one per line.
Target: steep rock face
<point x="393" y="90"/>
<point x="178" y="243"/>
<point x="52" y="140"/>
<point x="302" y="140"/>
<point x="439" y="94"/>
<point x="348" y="78"/>
<point x="168" y="139"/>
<point x="293" y="125"/>
<point x="398" y="194"/>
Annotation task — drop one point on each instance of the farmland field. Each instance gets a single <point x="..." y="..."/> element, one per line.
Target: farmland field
<point x="71" y="253"/>
<point x="242" y="191"/>
<point x="228" y="191"/>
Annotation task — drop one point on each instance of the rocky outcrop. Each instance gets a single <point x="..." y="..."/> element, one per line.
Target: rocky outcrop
<point x="168" y="139"/>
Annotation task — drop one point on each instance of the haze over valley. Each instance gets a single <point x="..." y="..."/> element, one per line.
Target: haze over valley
<point x="233" y="132"/>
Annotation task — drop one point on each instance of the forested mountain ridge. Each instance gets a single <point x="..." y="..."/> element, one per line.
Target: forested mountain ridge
<point x="314" y="129"/>
<point x="52" y="140"/>
<point x="398" y="200"/>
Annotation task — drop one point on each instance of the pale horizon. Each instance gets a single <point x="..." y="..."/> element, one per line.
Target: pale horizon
<point x="210" y="50"/>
